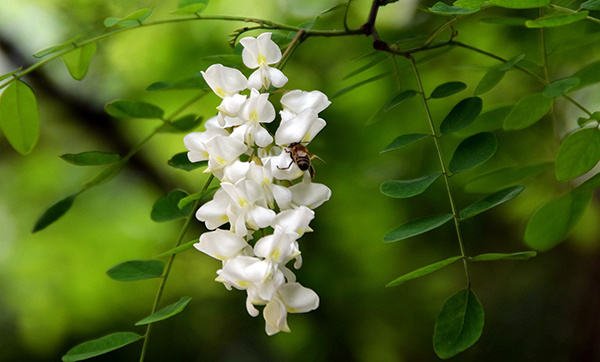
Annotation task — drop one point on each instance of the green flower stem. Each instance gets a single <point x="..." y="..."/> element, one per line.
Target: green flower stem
<point x="526" y="71"/>
<point x="547" y="78"/>
<point x="262" y="24"/>
<point x="443" y="167"/>
<point x="298" y="39"/>
<point x="165" y="276"/>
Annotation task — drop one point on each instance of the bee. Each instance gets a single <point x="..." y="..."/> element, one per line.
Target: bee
<point x="301" y="157"/>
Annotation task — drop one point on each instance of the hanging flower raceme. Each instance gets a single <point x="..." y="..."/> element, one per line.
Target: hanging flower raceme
<point x="263" y="193"/>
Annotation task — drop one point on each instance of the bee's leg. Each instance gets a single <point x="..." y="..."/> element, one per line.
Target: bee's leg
<point x="311" y="170"/>
<point x="286" y="168"/>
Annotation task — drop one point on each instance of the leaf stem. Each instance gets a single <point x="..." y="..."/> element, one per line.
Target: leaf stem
<point x="165" y="276"/>
<point x="443" y="167"/>
<point x="547" y="78"/>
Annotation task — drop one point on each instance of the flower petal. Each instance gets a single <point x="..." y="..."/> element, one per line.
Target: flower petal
<point x="298" y="299"/>
<point x="221" y="244"/>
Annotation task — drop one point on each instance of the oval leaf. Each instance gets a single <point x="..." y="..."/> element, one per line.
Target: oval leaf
<point x="560" y="87"/>
<point x="165" y="208"/>
<point x="520" y="4"/>
<point x="489" y="80"/>
<point x="462" y="115"/>
<point x="512" y="62"/>
<point x="444" y="9"/>
<point x="133" y="109"/>
<point x="78" y="60"/>
<point x="105" y="175"/>
<point x="166" y="312"/>
<point x="459" y="324"/>
<point x="486" y="121"/>
<point x="523" y="255"/>
<point x="590" y="74"/>
<point x="508" y="21"/>
<point x="360" y="84"/>
<point x="399" y="98"/>
<point x="417" y="226"/>
<point x="92" y="158"/>
<point x="423" y="271"/>
<point x="491" y="201"/>
<point x="19" y="117"/>
<point x="135" y="18"/>
<point x="448" y="89"/>
<point x="183" y="124"/>
<point x="136" y="270"/>
<point x="56" y="48"/>
<point x="528" y="111"/>
<point x="473" y="151"/>
<point x="578" y="154"/>
<point x="496" y="180"/>
<point x="100" y="346"/>
<point x="405" y="140"/>
<point x="470" y="4"/>
<point x="54" y="213"/>
<point x="189" y="199"/>
<point x="182" y="162"/>
<point x="591" y="5"/>
<point x="555" y="20"/>
<point x="178" y="249"/>
<point x="552" y="222"/>
<point x="408" y="188"/>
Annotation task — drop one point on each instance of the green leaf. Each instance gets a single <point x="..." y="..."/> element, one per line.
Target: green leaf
<point x="489" y="80"/>
<point x="178" y="249"/>
<point x="19" y="118"/>
<point x="512" y="62"/>
<point x="125" y="108"/>
<point x="444" y="9"/>
<point x="360" y="84"/>
<point x="560" y="87"/>
<point x="557" y="19"/>
<point x="591" y="5"/>
<point x="105" y="175"/>
<point x="405" y="140"/>
<point x="92" y="158"/>
<point x="133" y="270"/>
<point x="78" y="60"/>
<point x="166" y="209"/>
<point x="182" y="162"/>
<point x="380" y="58"/>
<point x="470" y="4"/>
<point x="423" y="271"/>
<point x="54" y="213"/>
<point x="462" y="115"/>
<point x="508" y="176"/>
<point x="529" y="110"/>
<point x="520" y="4"/>
<point x="553" y="222"/>
<point x="590" y="74"/>
<point x="132" y="19"/>
<point x="505" y="20"/>
<point x="182" y="124"/>
<point x="578" y="154"/>
<point x="408" y="188"/>
<point x="523" y="255"/>
<point x="417" y="226"/>
<point x="448" y="89"/>
<point x="197" y="196"/>
<point x="491" y="201"/>
<point x="191" y="6"/>
<point x="459" y="324"/>
<point x="167" y="312"/>
<point x="55" y="48"/>
<point x="399" y="98"/>
<point x="473" y="151"/>
<point x="100" y="346"/>
<point x="487" y="121"/>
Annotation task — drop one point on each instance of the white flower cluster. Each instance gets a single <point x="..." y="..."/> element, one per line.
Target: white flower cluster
<point x="258" y="192"/>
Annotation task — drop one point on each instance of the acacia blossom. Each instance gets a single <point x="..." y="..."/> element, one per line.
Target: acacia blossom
<point x="265" y="202"/>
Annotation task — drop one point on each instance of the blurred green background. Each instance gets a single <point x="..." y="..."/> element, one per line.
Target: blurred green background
<point x="54" y="293"/>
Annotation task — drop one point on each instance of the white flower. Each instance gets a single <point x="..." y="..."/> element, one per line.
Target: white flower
<point x="222" y="151"/>
<point x="214" y="212"/>
<point x="302" y="128"/>
<point x="296" y="101"/>
<point x="309" y="194"/>
<point x="221" y="244"/>
<point x="279" y="247"/>
<point x="258" y="53"/>
<point x="274" y="193"/>
<point x="283" y="167"/>
<point x="294" y="221"/>
<point x="292" y="298"/>
<point x="248" y="206"/>
<point x="226" y="83"/>
<point x="256" y="110"/>
<point x="195" y="142"/>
